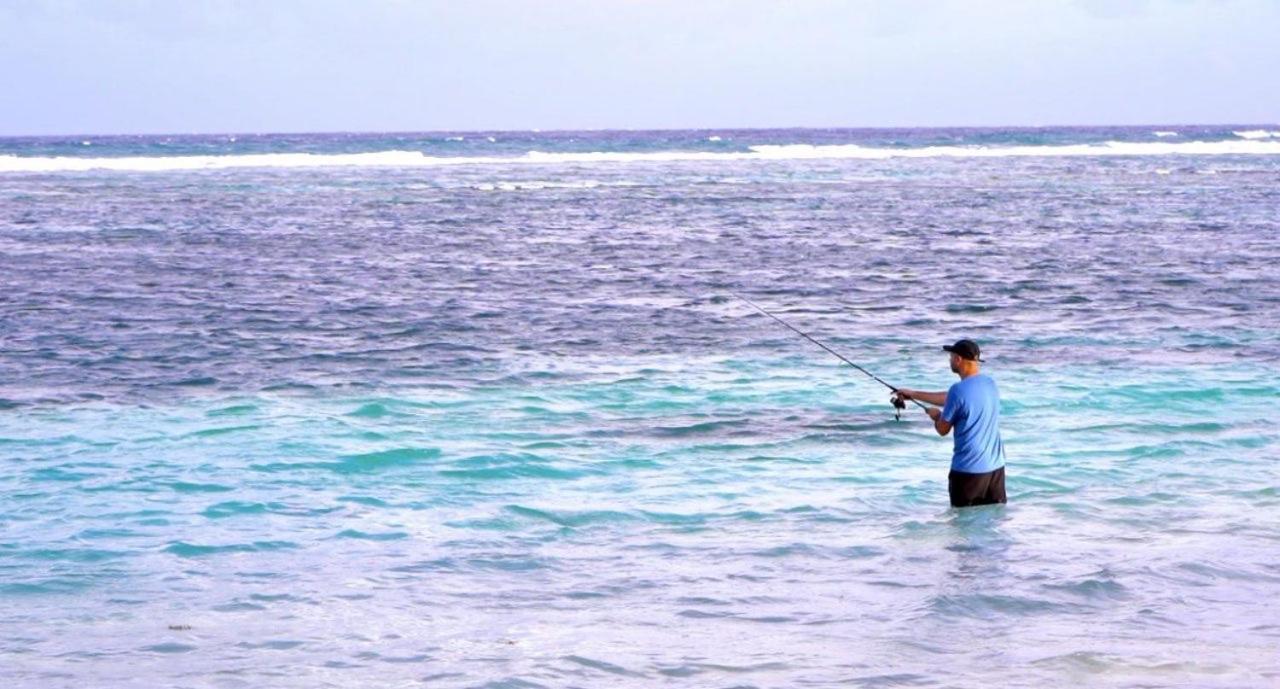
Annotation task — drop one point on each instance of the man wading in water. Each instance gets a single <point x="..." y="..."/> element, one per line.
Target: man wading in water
<point x="972" y="408"/>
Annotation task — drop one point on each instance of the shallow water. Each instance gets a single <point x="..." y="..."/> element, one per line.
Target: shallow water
<point x="505" y="425"/>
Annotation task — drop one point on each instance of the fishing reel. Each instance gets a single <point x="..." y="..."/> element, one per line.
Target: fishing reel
<point x="899" y="405"/>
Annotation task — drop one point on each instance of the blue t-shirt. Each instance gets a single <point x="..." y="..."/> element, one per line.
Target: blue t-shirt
<point x="973" y="410"/>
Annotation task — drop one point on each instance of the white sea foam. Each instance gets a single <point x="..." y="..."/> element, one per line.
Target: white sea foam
<point x="415" y="159"/>
<point x="1165" y="134"/>
<point x="1109" y="148"/>
<point x="1255" y="134"/>
<point x="713" y="138"/>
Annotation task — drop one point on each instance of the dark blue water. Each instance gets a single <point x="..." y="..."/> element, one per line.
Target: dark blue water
<point x="317" y="410"/>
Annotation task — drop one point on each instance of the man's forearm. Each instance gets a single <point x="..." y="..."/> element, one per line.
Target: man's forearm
<point x="935" y="398"/>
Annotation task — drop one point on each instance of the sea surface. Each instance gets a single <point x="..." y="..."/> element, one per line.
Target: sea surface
<point x="467" y="409"/>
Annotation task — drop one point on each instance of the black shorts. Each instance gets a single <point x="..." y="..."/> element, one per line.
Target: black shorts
<point x="968" y="490"/>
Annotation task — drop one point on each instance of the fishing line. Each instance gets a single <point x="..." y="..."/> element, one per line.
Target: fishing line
<point x="898" y="404"/>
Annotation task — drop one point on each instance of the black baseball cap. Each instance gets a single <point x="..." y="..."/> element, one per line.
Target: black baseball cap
<point x="967" y="349"/>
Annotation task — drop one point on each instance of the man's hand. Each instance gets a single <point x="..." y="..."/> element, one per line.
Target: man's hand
<point x="903" y="393"/>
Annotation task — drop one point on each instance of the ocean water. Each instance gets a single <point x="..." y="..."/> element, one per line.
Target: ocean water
<point x="481" y="410"/>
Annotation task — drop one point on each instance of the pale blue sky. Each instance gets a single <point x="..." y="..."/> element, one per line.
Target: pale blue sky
<point x="174" y="66"/>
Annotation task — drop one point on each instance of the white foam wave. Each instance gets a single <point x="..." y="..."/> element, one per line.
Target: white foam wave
<point x="416" y="159"/>
<point x="1255" y="134"/>
<point x="1109" y="148"/>
<point x="1165" y="134"/>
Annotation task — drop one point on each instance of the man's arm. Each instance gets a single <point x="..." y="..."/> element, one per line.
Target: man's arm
<point x="939" y="424"/>
<point x="938" y="398"/>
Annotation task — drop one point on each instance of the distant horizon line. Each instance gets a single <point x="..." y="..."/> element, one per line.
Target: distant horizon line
<point x="357" y="132"/>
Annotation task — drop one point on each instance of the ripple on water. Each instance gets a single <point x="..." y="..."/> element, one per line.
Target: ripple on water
<point x="574" y="519"/>
<point x="603" y="666"/>
<point x="71" y="554"/>
<point x="272" y="645"/>
<point x="51" y="585"/>
<point x="505" y="465"/>
<point x="901" y="679"/>
<point x="377" y="410"/>
<point x="1095" y="663"/>
<point x="190" y="487"/>
<point x="364" y="536"/>
<point x="232" y="410"/>
<point x="238" y="606"/>
<point x="369" y="462"/>
<point x="701" y="428"/>
<point x="224" y="430"/>
<point x="1092" y="589"/>
<point x="193" y="550"/>
<point x="995" y="606"/>
<point x="694" y="669"/>
<point x="169" y="648"/>
<point x="234" y="508"/>
<point x="498" y="562"/>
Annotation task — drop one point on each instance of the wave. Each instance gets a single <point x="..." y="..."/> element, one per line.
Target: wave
<point x="1109" y="148"/>
<point x="1253" y="144"/>
<point x="1255" y="134"/>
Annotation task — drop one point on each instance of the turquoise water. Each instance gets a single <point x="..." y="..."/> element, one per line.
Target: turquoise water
<point x="707" y="522"/>
<point x="505" y="426"/>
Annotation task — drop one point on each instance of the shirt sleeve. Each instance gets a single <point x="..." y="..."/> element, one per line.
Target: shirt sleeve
<point x="952" y="408"/>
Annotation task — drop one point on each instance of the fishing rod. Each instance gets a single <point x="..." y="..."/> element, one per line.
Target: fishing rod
<point x="898" y="404"/>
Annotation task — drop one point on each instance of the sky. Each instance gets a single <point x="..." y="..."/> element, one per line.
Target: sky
<point x="185" y="66"/>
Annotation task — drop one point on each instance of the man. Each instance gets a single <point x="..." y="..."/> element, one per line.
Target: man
<point x="972" y="409"/>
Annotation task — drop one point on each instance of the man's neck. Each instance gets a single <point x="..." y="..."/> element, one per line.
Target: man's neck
<point x="968" y="371"/>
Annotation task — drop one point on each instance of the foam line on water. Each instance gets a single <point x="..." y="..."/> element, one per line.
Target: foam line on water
<point x="1251" y="145"/>
<point x="1254" y="134"/>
